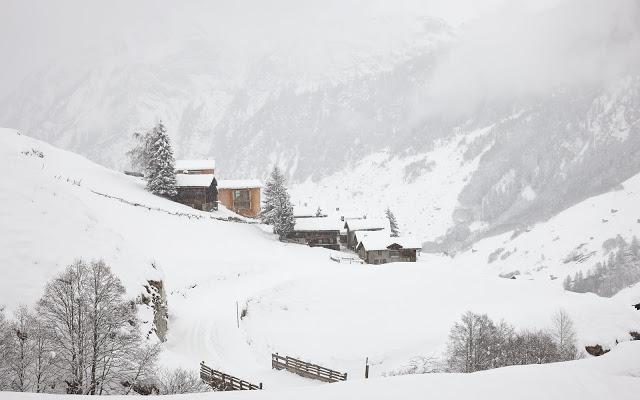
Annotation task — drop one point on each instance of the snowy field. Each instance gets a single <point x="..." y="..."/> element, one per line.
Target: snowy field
<point x="301" y="303"/>
<point x="613" y="376"/>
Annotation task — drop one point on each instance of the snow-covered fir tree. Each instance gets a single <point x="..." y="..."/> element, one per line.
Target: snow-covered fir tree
<point x="277" y="209"/>
<point x="160" y="171"/>
<point x="393" y="223"/>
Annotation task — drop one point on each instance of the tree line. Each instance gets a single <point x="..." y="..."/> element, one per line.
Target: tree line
<point x="620" y="270"/>
<point x="477" y="343"/>
<point x="83" y="337"/>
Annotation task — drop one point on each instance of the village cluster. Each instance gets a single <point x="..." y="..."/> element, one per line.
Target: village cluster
<point x="372" y="239"/>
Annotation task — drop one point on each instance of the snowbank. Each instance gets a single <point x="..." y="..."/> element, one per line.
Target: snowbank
<point x="611" y="376"/>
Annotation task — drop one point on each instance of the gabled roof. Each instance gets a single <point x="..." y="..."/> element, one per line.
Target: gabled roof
<point x="359" y="235"/>
<point x="187" y="165"/>
<point x="317" y="224"/>
<point x="239" y="183"/>
<point x="193" y="180"/>
<point x="380" y="242"/>
<point x="367" y="224"/>
<point x="407" y="242"/>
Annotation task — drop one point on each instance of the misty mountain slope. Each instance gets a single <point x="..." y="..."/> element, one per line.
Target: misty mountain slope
<point x="574" y="240"/>
<point x="421" y="189"/>
<point x="591" y="143"/>
<point x="205" y="93"/>
<point x="558" y="136"/>
<point x="297" y="301"/>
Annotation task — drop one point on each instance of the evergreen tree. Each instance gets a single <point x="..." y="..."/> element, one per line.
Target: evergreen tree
<point x="319" y="212"/>
<point x="395" y="231"/>
<point x="160" y="174"/>
<point x="277" y="210"/>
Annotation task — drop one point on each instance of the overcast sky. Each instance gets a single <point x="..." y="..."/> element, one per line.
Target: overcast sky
<point x="505" y="45"/>
<point x="36" y="32"/>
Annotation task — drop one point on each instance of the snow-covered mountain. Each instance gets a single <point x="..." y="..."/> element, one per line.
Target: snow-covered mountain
<point x="371" y="125"/>
<point x="57" y="206"/>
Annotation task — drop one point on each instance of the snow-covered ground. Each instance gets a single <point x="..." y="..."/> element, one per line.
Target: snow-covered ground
<point x="615" y="375"/>
<point x="298" y="301"/>
<point x="569" y="242"/>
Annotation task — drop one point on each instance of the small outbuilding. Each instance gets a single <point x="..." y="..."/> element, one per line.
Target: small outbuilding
<point x="380" y="249"/>
<point x="316" y="232"/>
<point x="196" y="190"/>
<point x="364" y="224"/>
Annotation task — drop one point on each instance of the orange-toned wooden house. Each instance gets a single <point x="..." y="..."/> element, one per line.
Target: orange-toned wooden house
<point x="240" y="196"/>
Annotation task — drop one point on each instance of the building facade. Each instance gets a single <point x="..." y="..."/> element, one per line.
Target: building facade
<point x="241" y="196"/>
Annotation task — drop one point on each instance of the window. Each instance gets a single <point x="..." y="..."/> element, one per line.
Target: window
<point x="241" y="199"/>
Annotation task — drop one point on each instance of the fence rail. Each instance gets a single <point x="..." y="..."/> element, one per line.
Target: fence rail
<point x="224" y="382"/>
<point x="346" y="260"/>
<point x="306" y="369"/>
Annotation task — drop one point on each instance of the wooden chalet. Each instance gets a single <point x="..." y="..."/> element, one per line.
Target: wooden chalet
<point x="197" y="187"/>
<point x="316" y="232"/>
<point x="364" y="224"/>
<point x="379" y="248"/>
<point x="241" y="196"/>
<point x="197" y="191"/>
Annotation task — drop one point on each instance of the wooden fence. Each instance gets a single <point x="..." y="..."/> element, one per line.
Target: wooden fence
<point x="346" y="260"/>
<point x="224" y="382"/>
<point x="308" y="370"/>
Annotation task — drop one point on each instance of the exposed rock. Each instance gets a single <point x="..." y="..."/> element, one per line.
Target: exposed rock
<point x="634" y="335"/>
<point x="157" y="300"/>
<point x="596" y="350"/>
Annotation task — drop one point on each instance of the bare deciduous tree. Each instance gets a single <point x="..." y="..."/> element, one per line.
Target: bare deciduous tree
<point x="94" y="329"/>
<point x="180" y="381"/>
<point x="564" y="336"/>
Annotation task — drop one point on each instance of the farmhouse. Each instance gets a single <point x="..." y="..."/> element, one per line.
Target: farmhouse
<point x="197" y="191"/>
<point x="363" y="224"/>
<point x="240" y="196"/>
<point x="381" y="249"/>
<point x="197" y="187"/>
<point x="316" y="232"/>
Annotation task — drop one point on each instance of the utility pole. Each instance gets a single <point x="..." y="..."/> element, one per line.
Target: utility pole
<point x="366" y="368"/>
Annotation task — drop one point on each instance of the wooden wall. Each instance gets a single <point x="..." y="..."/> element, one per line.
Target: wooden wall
<point x="225" y="196"/>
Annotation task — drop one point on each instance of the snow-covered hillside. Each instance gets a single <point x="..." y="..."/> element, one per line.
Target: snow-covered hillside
<point x="573" y="240"/>
<point x="390" y="119"/>
<point x="54" y="208"/>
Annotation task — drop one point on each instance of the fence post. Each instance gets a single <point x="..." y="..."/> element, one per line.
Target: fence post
<point x="260" y="385"/>
<point x="366" y="369"/>
<point x="237" y="315"/>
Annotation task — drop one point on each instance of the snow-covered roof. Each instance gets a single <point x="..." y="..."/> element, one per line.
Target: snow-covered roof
<point x="375" y="242"/>
<point x="359" y="235"/>
<point x="186" y="165"/>
<point x="367" y="224"/>
<point x="317" y="224"/>
<point x="239" y="183"/>
<point x="380" y="241"/>
<point x="407" y="242"/>
<point x="193" y="180"/>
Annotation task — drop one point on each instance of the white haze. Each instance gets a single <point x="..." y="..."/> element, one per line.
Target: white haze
<point x="316" y="35"/>
<point x="519" y="52"/>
